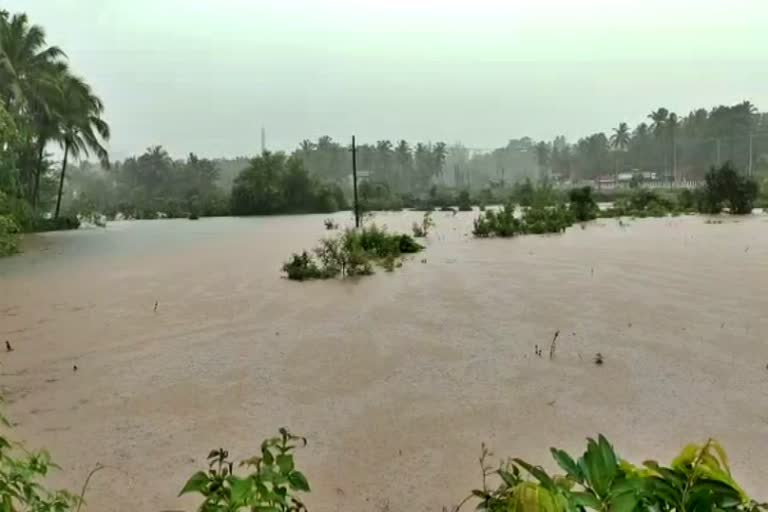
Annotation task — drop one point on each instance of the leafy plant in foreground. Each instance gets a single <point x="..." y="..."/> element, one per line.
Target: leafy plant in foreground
<point x="271" y="485"/>
<point x="698" y="480"/>
<point x="20" y="475"/>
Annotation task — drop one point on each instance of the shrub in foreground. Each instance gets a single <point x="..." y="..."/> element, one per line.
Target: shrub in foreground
<point x="352" y="253"/>
<point x="699" y="479"/>
<point x="21" y="472"/>
<point x="271" y="481"/>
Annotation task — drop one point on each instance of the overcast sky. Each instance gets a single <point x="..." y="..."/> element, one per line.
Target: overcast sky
<point x="206" y="75"/>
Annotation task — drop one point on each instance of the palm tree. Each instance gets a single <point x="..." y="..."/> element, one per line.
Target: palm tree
<point x="672" y="125"/>
<point x="29" y="84"/>
<point x="620" y="137"/>
<point x="82" y="128"/>
<point x="25" y="61"/>
<point x="659" y="118"/>
<point x="620" y="141"/>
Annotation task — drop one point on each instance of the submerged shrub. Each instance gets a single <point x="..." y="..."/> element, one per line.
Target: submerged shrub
<point x="301" y="267"/>
<point x="353" y="253"/>
<point x="464" y="201"/>
<point x="535" y="220"/>
<point x="60" y="224"/>
<point x="422" y="230"/>
<point x="726" y="187"/>
<point x="582" y="205"/>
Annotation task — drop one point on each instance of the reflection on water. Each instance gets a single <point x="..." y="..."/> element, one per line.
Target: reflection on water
<point x="427" y="361"/>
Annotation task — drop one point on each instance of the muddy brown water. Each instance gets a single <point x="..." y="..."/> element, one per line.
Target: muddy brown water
<point x="394" y="379"/>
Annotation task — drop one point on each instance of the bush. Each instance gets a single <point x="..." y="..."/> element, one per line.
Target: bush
<point x="422" y="230"/>
<point x="60" y="224"/>
<point x="582" y="205"/>
<point x="272" y="482"/>
<point x="540" y="220"/>
<point x="20" y="475"/>
<point x="642" y="202"/>
<point x="8" y="235"/>
<point x="535" y="220"/>
<point x="464" y="201"/>
<point x="352" y="253"/>
<point x="687" y="200"/>
<point x="699" y="479"/>
<point x="726" y="187"/>
<point x="302" y="267"/>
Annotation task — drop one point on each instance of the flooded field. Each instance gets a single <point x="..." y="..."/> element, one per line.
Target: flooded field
<point x="394" y="379"/>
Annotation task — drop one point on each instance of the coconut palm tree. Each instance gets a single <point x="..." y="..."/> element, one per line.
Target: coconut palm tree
<point x="672" y="125"/>
<point x="26" y="62"/>
<point x="82" y="128"/>
<point x="659" y="118"/>
<point x="619" y="142"/>
<point x="620" y="137"/>
<point x="29" y="86"/>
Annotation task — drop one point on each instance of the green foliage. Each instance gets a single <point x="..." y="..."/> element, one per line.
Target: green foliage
<point x="539" y="220"/>
<point x="686" y="200"/>
<point x="8" y="235"/>
<point x="352" y="253"/>
<point x="271" y="481"/>
<point x="501" y="223"/>
<point x="421" y="230"/>
<point x="643" y="202"/>
<point x="464" y="201"/>
<point x="699" y="479"/>
<point x="21" y="472"/>
<point x="582" y="205"/>
<point x="56" y="224"/>
<point x="276" y="183"/>
<point x="726" y="187"/>
<point x="535" y="220"/>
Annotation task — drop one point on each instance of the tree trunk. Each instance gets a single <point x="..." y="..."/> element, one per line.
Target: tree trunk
<point x="38" y="172"/>
<point x="61" y="180"/>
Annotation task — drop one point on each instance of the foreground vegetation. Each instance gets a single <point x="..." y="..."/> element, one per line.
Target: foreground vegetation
<point x="698" y="480"/>
<point x="352" y="253"/>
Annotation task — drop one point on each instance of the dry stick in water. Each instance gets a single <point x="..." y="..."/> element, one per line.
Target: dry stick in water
<point x="553" y="346"/>
<point x="98" y="467"/>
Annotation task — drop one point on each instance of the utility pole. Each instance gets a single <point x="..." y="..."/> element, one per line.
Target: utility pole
<point x="354" y="182"/>
<point x="263" y="140"/>
<point x="749" y="169"/>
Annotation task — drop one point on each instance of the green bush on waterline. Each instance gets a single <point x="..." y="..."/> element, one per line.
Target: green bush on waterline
<point x="352" y="253"/>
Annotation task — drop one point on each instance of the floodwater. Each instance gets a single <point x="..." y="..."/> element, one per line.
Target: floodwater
<point x="394" y="379"/>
